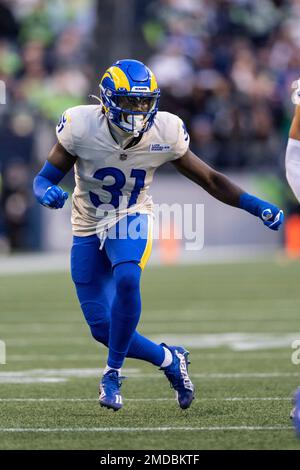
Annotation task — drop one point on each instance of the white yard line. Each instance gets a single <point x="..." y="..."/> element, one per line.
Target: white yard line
<point x="150" y="429"/>
<point x="103" y="354"/>
<point x="199" y="320"/>
<point x="33" y="263"/>
<point x="39" y="340"/>
<point x="56" y="357"/>
<point x="68" y="372"/>
<point x="150" y="400"/>
<point x="63" y="375"/>
<point x="236" y="341"/>
<point x="247" y="375"/>
<point x="238" y="375"/>
<point x="31" y="380"/>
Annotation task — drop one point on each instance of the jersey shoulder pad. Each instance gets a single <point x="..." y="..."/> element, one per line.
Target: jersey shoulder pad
<point x="173" y="131"/>
<point x="75" y="126"/>
<point x="168" y="125"/>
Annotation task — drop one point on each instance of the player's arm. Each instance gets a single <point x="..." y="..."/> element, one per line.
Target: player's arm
<point x="45" y="184"/>
<point x="295" y="126"/>
<point x="223" y="189"/>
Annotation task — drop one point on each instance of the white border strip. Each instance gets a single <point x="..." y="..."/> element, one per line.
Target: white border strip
<point x="135" y="374"/>
<point x="154" y="429"/>
<point x="230" y="399"/>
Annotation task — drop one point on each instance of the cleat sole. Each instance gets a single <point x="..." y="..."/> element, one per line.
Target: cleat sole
<point x="110" y="407"/>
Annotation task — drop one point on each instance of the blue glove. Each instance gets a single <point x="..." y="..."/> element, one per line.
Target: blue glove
<point x="271" y="216"/>
<point x="54" y="197"/>
<point x="45" y="187"/>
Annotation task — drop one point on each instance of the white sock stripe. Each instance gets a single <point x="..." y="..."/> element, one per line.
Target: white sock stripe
<point x="107" y="369"/>
<point x="168" y="359"/>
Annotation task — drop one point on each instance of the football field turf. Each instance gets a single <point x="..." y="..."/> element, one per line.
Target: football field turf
<point x="237" y="320"/>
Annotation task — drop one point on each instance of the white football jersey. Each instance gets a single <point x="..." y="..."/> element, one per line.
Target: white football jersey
<point x="112" y="181"/>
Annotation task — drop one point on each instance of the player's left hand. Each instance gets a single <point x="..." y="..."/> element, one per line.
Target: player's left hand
<point x="271" y="216"/>
<point x="54" y="198"/>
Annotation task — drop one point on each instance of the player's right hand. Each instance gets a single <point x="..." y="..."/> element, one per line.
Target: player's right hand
<point x="54" y="198"/>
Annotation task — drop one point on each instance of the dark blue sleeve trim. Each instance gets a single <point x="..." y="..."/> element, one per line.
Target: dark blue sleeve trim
<point x="48" y="176"/>
<point x="251" y="204"/>
<point x="52" y="173"/>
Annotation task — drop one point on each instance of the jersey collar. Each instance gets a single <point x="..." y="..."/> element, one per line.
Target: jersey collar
<point x="132" y="143"/>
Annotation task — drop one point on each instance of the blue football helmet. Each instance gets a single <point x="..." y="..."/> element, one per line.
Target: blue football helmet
<point x="130" y="96"/>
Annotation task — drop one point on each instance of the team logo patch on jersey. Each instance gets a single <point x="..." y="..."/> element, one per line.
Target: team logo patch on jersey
<point x="62" y="122"/>
<point x="160" y="148"/>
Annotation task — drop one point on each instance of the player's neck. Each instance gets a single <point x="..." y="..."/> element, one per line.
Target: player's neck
<point x="122" y="137"/>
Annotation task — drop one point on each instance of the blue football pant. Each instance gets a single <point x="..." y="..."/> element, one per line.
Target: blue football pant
<point x="108" y="288"/>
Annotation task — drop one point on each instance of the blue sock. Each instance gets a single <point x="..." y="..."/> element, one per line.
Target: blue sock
<point x="125" y="312"/>
<point x="144" y="349"/>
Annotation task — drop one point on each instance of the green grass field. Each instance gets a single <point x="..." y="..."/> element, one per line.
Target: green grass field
<point x="48" y="388"/>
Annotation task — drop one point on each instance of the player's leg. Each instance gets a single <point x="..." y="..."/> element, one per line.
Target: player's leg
<point x="96" y="289"/>
<point x="129" y="254"/>
<point x="91" y="274"/>
<point x="128" y="247"/>
<point x="125" y="254"/>
<point x="95" y="286"/>
<point x="125" y="312"/>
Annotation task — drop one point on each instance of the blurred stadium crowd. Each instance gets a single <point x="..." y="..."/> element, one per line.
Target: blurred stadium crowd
<point x="225" y="66"/>
<point x="44" y="62"/>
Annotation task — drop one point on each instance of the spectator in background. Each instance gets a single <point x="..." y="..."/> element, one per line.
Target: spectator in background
<point x="9" y="27"/>
<point x="44" y="64"/>
<point x="225" y="67"/>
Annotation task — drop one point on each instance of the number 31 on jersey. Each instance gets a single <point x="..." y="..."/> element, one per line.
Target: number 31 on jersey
<point x="115" y="189"/>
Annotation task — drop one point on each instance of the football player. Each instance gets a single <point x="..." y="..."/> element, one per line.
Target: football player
<point x="292" y="164"/>
<point x="292" y="160"/>
<point x="115" y="147"/>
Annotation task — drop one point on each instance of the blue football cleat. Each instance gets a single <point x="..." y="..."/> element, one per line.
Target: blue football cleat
<point x="110" y="396"/>
<point x="295" y="414"/>
<point x="177" y="374"/>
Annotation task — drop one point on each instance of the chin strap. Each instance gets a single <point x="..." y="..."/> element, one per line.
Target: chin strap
<point x="96" y="98"/>
<point x="136" y="133"/>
